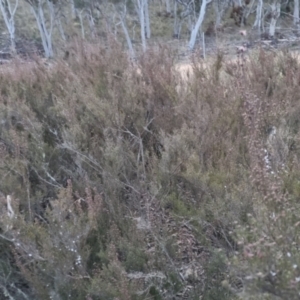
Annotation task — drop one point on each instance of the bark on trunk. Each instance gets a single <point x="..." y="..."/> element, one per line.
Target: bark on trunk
<point x="141" y="13"/>
<point x="195" y="30"/>
<point x="275" y="13"/>
<point x="46" y="34"/>
<point x="168" y="6"/>
<point x="259" y="14"/>
<point x="147" y="19"/>
<point x="296" y="12"/>
<point x="8" y="14"/>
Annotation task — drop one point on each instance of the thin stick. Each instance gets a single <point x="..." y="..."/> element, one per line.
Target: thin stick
<point x="203" y="45"/>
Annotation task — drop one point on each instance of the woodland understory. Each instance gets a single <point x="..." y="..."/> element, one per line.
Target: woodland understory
<point x="125" y="180"/>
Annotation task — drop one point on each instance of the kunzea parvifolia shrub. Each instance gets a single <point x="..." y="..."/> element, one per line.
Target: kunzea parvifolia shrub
<point x="127" y="181"/>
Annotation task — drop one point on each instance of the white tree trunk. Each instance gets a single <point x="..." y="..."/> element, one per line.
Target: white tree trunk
<point x="61" y="29"/>
<point x="81" y="24"/>
<point x="141" y="13"/>
<point x="168" y="6"/>
<point x="219" y="8"/>
<point x="122" y="17"/>
<point x="8" y="14"/>
<point x="176" y="27"/>
<point x="73" y="9"/>
<point x="249" y="10"/>
<point x="190" y="23"/>
<point x="203" y="45"/>
<point x="218" y="13"/>
<point x="259" y="14"/>
<point x="147" y="19"/>
<point x="296" y="12"/>
<point x="46" y="34"/>
<point x="238" y="2"/>
<point x="128" y="40"/>
<point x="275" y="13"/>
<point x="196" y="28"/>
<point x="91" y="22"/>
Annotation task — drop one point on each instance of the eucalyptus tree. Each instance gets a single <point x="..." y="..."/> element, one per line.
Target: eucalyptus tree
<point x="168" y="6"/>
<point x="259" y="19"/>
<point x="275" y="9"/>
<point x="296" y="12"/>
<point x="73" y="9"/>
<point x="147" y="19"/>
<point x="8" y="10"/>
<point x="89" y="10"/>
<point x="44" y="13"/>
<point x="186" y="9"/>
<point x="198" y="24"/>
<point x="60" y="26"/>
<point x="141" y="7"/>
<point x="122" y="13"/>
<point x="220" y="7"/>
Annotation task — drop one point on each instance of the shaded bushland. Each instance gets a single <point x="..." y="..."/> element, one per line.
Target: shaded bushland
<point x="129" y="182"/>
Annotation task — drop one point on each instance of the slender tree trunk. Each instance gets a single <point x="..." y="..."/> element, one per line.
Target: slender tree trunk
<point x="147" y="19"/>
<point x="81" y="24"/>
<point x="128" y="40"/>
<point x="61" y="29"/>
<point x="220" y="8"/>
<point x="175" y="27"/>
<point x="218" y="13"/>
<point x="122" y="17"/>
<point x="196" y="28"/>
<point x="296" y="12"/>
<point x="8" y="14"/>
<point x="259" y="14"/>
<point x="91" y="22"/>
<point x="141" y="13"/>
<point x="177" y="22"/>
<point x="275" y="13"/>
<point x="238" y="2"/>
<point x="133" y="32"/>
<point x="142" y="20"/>
<point x="249" y="10"/>
<point x="168" y="6"/>
<point x="190" y="23"/>
<point x="73" y="9"/>
<point x="203" y="45"/>
<point x="46" y="34"/>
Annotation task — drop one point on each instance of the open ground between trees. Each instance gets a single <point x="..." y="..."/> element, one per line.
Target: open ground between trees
<point x="138" y="22"/>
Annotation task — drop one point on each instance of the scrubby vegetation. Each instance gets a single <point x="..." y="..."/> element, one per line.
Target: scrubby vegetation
<point x="130" y="182"/>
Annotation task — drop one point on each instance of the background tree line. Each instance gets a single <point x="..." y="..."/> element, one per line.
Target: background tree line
<point x="53" y="23"/>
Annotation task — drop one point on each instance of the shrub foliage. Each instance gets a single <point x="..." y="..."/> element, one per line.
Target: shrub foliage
<point x="131" y="181"/>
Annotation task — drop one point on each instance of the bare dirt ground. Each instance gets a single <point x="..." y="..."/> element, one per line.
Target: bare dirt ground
<point x="185" y="68"/>
<point x="230" y="41"/>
